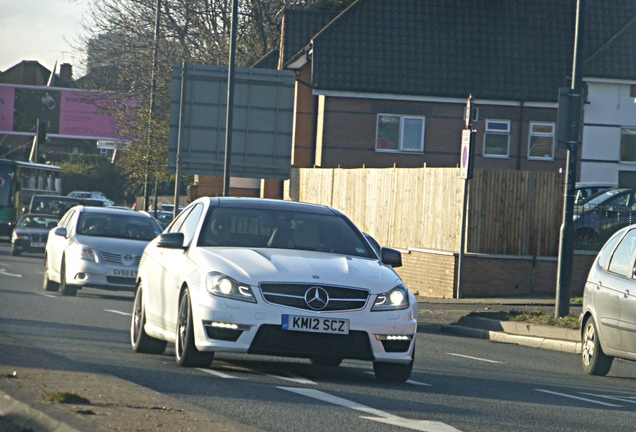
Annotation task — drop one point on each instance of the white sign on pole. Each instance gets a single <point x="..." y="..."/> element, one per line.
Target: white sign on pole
<point x="465" y="154"/>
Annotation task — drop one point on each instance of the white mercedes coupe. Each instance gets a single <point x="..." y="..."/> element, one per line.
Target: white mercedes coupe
<point x="273" y="277"/>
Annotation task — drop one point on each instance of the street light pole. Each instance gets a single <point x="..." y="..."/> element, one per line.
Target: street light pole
<point x="230" y="101"/>
<point x="572" y="126"/>
<point x="153" y="88"/>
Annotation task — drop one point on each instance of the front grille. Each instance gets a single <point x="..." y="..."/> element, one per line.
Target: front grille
<point x="120" y="280"/>
<point x="38" y="238"/>
<point x="118" y="258"/>
<point x="293" y="295"/>
<point x="273" y="340"/>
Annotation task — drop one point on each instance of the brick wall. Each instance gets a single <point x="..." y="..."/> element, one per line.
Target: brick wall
<point x="433" y="274"/>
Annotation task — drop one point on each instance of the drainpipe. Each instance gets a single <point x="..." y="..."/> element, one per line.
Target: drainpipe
<point x="520" y="136"/>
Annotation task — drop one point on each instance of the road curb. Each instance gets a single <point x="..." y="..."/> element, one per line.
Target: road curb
<point x="567" y="346"/>
<point x="22" y="416"/>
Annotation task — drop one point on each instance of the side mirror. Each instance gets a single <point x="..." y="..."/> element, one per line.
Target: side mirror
<point x="391" y="257"/>
<point x="60" y="231"/>
<point x="172" y="240"/>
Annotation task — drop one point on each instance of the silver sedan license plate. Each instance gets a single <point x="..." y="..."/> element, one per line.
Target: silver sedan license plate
<point x="315" y="324"/>
<point x="122" y="273"/>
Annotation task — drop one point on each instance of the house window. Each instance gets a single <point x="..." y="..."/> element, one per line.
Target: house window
<point x="400" y="133"/>
<point x="497" y="138"/>
<point x="628" y="145"/>
<point x="541" y="141"/>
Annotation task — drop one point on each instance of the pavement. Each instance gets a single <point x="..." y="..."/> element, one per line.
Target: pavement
<point x="117" y="405"/>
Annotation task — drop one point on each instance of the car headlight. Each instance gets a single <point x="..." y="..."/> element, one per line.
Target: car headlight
<point x="221" y="285"/>
<point x="15" y="236"/>
<point x="88" y="254"/>
<point x="396" y="299"/>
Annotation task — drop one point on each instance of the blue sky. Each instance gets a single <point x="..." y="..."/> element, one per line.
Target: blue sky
<point x="40" y="30"/>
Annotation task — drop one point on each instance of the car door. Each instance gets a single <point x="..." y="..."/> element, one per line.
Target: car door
<point x="627" y="322"/>
<point x="167" y="270"/>
<point x="56" y="245"/>
<point x="610" y="289"/>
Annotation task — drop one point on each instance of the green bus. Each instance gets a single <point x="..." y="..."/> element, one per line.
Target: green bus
<point x="19" y="181"/>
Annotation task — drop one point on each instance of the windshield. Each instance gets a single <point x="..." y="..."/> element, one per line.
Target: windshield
<point x="37" y="221"/>
<point x="117" y="226"/>
<point x="600" y="197"/>
<point x="261" y="228"/>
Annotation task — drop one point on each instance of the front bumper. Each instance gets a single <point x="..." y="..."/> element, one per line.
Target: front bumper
<point x="82" y="273"/>
<point x="234" y="326"/>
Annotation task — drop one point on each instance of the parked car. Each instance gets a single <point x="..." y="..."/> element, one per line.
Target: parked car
<point x="163" y="217"/>
<point x="96" y="247"/>
<point x="31" y="231"/>
<point x="168" y="207"/>
<point x="94" y="195"/>
<point x="602" y="215"/>
<point x="273" y="277"/>
<point x="584" y="190"/>
<point x="608" y="318"/>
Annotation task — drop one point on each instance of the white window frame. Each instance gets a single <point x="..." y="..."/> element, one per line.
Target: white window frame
<point x="626" y="130"/>
<point x="489" y="131"/>
<point x="551" y="135"/>
<point x="401" y="145"/>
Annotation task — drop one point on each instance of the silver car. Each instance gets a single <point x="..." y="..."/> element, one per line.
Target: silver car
<point x="608" y="319"/>
<point x="96" y="247"/>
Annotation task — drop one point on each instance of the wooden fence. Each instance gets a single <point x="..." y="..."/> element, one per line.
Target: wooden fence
<point x="508" y="212"/>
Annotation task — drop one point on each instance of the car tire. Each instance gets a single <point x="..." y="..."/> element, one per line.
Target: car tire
<point x="326" y="361"/>
<point x="593" y="359"/>
<point x="47" y="283"/>
<point x="186" y="352"/>
<point x="587" y="239"/>
<point x="141" y="342"/>
<point x="66" y="289"/>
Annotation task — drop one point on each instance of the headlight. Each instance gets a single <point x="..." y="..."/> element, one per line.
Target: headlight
<point x="221" y="285"/>
<point x="396" y="299"/>
<point x="88" y="254"/>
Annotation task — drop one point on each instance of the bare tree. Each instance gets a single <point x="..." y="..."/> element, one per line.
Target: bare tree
<point x="119" y="56"/>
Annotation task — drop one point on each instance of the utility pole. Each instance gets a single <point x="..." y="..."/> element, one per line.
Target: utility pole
<point x="569" y="133"/>
<point x="153" y="89"/>
<point x="229" y="123"/>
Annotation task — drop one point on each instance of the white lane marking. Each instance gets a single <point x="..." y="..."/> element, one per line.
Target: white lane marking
<point x="218" y="374"/>
<point x="4" y="272"/>
<point x="47" y="295"/>
<point x="628" y="399"/>
<point x="578" y="398"/>
<point x="408" y="381"/>
<point x="293" y="378"/>
<point x="379" y="416"/>
<point x="474" y="358"/>
<point x="419" y="383"/>
<point x="118" y="312"/>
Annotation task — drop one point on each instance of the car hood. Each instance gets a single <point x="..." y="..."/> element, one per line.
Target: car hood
<point x="33" y="231"/>
<point x="254" y="266"/>
<point x="113" y="245"/>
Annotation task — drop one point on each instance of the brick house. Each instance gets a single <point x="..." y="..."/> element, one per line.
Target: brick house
<point x="385" y="84"/>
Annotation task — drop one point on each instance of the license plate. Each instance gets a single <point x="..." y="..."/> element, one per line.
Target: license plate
<point x="122" y="273"/>
<point x="315" y="324"/>
<point x="37" y="245"/>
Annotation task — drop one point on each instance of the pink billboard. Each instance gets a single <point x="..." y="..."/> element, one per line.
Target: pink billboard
<point x="7" y="97"/>
<point x="66" y="113"/>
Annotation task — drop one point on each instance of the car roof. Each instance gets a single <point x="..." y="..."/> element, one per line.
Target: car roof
<point x="109" y="210"/>
<point x="270" y="204"/>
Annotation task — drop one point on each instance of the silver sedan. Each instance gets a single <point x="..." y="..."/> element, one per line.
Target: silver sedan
<point x="96" y="247"/>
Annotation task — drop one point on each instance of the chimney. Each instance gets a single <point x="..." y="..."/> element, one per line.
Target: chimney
<point x="66" y="72"/>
